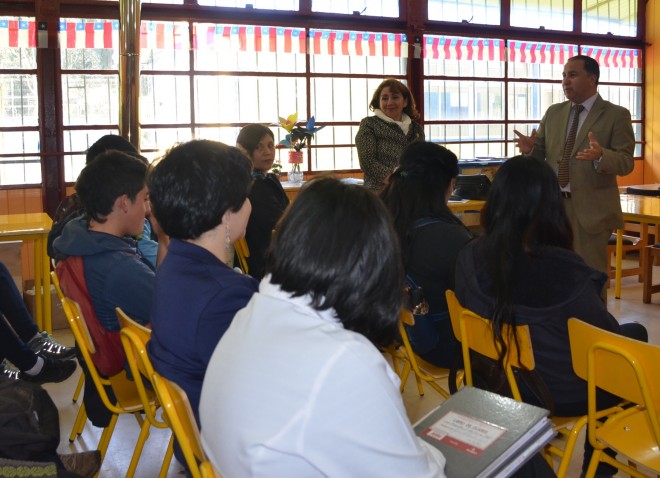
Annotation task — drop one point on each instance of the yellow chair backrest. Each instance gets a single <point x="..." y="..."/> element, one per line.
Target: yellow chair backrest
<point x="476" y="333"/>
<point x="242" y="252"/>
<point x="182" y="421"/>
<point x="620" y="365"/>
<point x="134" y="338"/>
<point x="56" y="282"/>
<point x="626" y="368"/>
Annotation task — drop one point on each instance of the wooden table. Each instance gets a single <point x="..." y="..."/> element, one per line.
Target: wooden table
<point x="33" y="227"/>
<point x="292" y="190"/>
<point x="642" y="209"/>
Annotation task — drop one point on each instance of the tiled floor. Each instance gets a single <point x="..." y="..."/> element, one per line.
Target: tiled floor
<point x="630" y="307"/>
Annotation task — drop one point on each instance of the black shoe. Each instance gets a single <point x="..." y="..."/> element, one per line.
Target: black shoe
<point x="85" y="464"/>
<point x="9" y="370"/>
<point x="45" y="345"/>
<point x="53" y="371"/>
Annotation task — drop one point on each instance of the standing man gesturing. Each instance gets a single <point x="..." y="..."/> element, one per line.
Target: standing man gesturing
<point x="587" y="156"/>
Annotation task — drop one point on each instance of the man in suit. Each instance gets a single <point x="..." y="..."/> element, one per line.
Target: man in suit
<point x="603" y="148"/>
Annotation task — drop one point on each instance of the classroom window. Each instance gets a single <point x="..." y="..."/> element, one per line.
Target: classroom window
<point x="89" y="51"/>
<point x="19" y="105"/>
<point x="378" y="8"/>
<point x="610" y="18"/>
<point x="486" y="12"/>
<point x="249" y="4"/>
<point x="545" y="14"/>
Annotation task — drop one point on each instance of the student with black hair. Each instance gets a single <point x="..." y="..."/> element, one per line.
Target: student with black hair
<point x="267" y="196"/>
<point x="199" y="193"/>
<point x="297" y="385"/>
<point x="431" y="236"/>
<point x="114" y="197"/>
<point x="113" y="193"/>
<point x="71" y="206"/>
<point x="523" y="271"/>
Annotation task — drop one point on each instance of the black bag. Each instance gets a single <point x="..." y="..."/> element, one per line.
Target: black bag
<point x="471" y="186"/>
<point x="29" y="421"/>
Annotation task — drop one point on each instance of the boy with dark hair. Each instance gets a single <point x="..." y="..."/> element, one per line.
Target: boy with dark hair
<point x="114" y="197"/>
<point x="113" y="193"/>
<point x="71" y="206"/>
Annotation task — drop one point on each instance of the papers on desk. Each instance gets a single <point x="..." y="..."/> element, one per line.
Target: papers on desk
<point x="352" y="181"/>
<point x="458" y="201"/>
<point x="482" y="434"/>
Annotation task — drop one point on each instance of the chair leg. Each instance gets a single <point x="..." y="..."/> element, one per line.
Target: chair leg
<point x="79" y="423"/>
<point x="647" y="286"/>
<point x="81" y="382"/>
<point x="142" y="438"/>
<point x="106" y="435"/>
<point x="167" y="461"/>
<point x="569" y="447"/>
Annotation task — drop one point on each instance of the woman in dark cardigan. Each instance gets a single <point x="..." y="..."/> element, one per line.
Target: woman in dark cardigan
<point x="267" y="195"/>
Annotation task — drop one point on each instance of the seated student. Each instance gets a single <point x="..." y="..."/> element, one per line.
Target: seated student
<point x="113" y="193"/>
<point x="199" y="195"/>
<point x="18" y="360"/>
<point x="13" y="309"/>
<point x="297" y="385"/>
<point x="523" y="271"/>
<point x="431" y="236"/>
<point x="24" y="351"/>
<point x="267" y="196"/>
<point x="71" y="206"/>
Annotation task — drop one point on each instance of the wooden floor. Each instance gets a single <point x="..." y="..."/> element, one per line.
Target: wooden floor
<point x="628" y="308"/>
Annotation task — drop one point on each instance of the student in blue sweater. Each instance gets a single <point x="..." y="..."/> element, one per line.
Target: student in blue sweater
<point x="199" y="195"/>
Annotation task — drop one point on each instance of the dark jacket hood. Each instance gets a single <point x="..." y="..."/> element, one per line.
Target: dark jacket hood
<point x="77" y="240"/>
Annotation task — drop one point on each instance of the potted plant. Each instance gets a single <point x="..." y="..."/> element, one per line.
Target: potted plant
<point x="298" y="136"/>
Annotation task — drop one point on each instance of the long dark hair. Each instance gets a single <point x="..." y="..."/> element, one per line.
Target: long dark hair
<point x="336" y="244"/>
<point x="418" y="187"/>
<point x="524" y="211"/>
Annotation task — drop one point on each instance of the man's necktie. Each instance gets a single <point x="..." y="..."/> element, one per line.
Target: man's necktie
<point x="568" y="148"/>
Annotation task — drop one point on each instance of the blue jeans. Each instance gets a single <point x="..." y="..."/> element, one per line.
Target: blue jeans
<point x="19" y="327"/>
<point x="432" y="339"/>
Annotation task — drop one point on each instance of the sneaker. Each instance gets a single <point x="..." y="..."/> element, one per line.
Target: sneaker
<point x="45" y="345"/>
<point x="53" y="371"/>
<point x="85" y="464"/>
<point x="9" y="370"/>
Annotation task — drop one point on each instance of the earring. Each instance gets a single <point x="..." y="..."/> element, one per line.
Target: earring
<point x="227" y="244"/>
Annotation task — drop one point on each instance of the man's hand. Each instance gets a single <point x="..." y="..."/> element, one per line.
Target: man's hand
<point x="525" y="143"/>
<point x="593" y="152"/>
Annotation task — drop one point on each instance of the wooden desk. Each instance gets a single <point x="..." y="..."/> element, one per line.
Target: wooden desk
<point x="642" y="209"/>
<point x="475" y="205"/>
<point x="33" y="227"/>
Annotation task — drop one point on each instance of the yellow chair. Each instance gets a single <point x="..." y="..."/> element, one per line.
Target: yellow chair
<point x="476" y="333"/>
<point x="134" y="338"/>
<point x="207" y="471"/>
<point x="628" y="369"/>
<point x="81" y="381"/>
<point x="242" y="252"/>
<point x="180" y="416"/>
<point x="124" y="389"/>
<point x="424" y="371"/>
